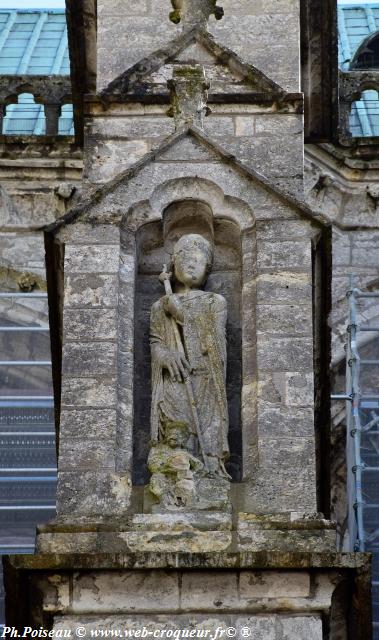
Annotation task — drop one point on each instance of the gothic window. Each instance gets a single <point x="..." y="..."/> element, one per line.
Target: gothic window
<point x="364" y="115"/>
<point x="367" y="55"/>
<point x="358" y="32"/>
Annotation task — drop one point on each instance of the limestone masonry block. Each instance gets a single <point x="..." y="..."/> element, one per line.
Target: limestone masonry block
<point x="92" y="259"/>
<point x="90" y="324"/>
<point x="89" y="392"/>
<point x="145" y="591"/>
<point x="284" y="319"/>
<point x="285" y="354"/>
<point x="88" y="423"/>
<point x="204" y="590"/>
<point x="284" y="255"/>
<point x="269" y="584"/>
<point x="88" y="359"/>
<point x="91" y="290"/>
<point x="285" y="287"/>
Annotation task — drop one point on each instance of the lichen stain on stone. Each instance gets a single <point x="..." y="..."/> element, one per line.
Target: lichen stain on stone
<point x="121" y="488"/>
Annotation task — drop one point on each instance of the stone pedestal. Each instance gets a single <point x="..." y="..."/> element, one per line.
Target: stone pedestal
<point x="191" y="531"/>
<point x="266" y="595"/>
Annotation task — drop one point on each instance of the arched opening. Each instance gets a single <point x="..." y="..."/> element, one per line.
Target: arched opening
<point x="25" y="117"/>
<point x="367" y="54"/>
<point x="364" y="115"/>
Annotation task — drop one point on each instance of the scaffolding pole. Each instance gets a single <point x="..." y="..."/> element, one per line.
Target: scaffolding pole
<point x="353" y="397"/>
<point x="354" y="429"/>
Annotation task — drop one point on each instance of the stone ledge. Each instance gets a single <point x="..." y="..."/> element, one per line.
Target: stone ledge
<point x="190" y="532"/>
<point x="287" y="532"/>
<point x="360" y="562"/>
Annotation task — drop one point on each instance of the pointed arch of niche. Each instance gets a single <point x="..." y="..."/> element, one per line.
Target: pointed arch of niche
<point x="143" y="252"/>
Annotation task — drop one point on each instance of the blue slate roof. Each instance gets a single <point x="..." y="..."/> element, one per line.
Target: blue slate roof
<point x="355" y="23"/>
<point x="33" y="42"/>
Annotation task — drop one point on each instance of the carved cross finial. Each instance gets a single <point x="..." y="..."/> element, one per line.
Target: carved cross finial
<point x="188" y="89"/>
<point x="194" y="11"/>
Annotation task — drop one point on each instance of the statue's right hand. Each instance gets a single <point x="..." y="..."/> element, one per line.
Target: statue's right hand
<point x="176" y="364"/>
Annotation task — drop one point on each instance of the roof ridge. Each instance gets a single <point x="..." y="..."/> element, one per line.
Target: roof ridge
<point x="39" y="10"/>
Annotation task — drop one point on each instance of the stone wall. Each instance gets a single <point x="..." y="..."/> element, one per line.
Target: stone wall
<point x="263" y="138"/>
<point x="263" y="32"/>
<point x="39" y="180"/>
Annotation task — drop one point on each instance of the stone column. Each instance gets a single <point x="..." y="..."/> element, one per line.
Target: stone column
<point x="90" y="482"/>
<point x="52" y="115"/>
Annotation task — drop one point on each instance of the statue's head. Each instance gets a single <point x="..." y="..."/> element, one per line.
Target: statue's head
<point x="192" y="260"/>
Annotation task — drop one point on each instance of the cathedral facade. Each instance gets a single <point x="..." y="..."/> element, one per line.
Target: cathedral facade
<point x="200" y="234"/>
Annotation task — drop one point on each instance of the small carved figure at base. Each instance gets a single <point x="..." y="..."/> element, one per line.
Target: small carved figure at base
<point x="173" y="468"/>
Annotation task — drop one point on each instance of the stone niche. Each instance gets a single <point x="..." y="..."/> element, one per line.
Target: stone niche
<point x="154" y="244"/>
<point x="104" y="260"/>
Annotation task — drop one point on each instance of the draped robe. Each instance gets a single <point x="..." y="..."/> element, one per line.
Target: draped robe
<point x="204" y="341"/>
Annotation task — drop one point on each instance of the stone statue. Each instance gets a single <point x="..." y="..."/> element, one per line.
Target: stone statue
<point x="188" y="352"/>
<point x="172" y="467"/>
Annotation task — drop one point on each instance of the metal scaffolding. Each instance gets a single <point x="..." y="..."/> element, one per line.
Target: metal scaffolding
<point x="27" y="439"/>
<point x="362" y="430"/>
<point x="362" y="442"/>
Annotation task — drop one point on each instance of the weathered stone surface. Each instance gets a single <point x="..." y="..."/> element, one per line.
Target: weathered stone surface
<point x="284" y="229"/>
<point x="299" y="389"/>
<point x="289" y="255"/>
<point x="284" y="319"/>
<point x="131" y="127"/>
<point x="92" y="259"/>
<point x="258" y="533"/>
<point x="86" y="454"/>
<point x="89" y="359"/>
<point x="202" y="520"/>
<point x="90" y="324"/>
<point x="92" y="290"/>
<point x="364" y="249"/>
<point x="116" y="156"/>
<point x="204" y="590"/>
<point x="294" y="487"/>
<point x="186" y="539"/>
<point x="89" y="392"/>
<point x="23" y="252"/>
<point x="90" y="493"/>
<point x="97" y="423"/>
<point x="269" y="584"/>
<point x="285" y="354"/>
<point x="87" y="234"/>
<point x="125" y="591"/>
<point x="286" y="287"/>
<point x="278" y="627"/>
<point x="280" y="421"/>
